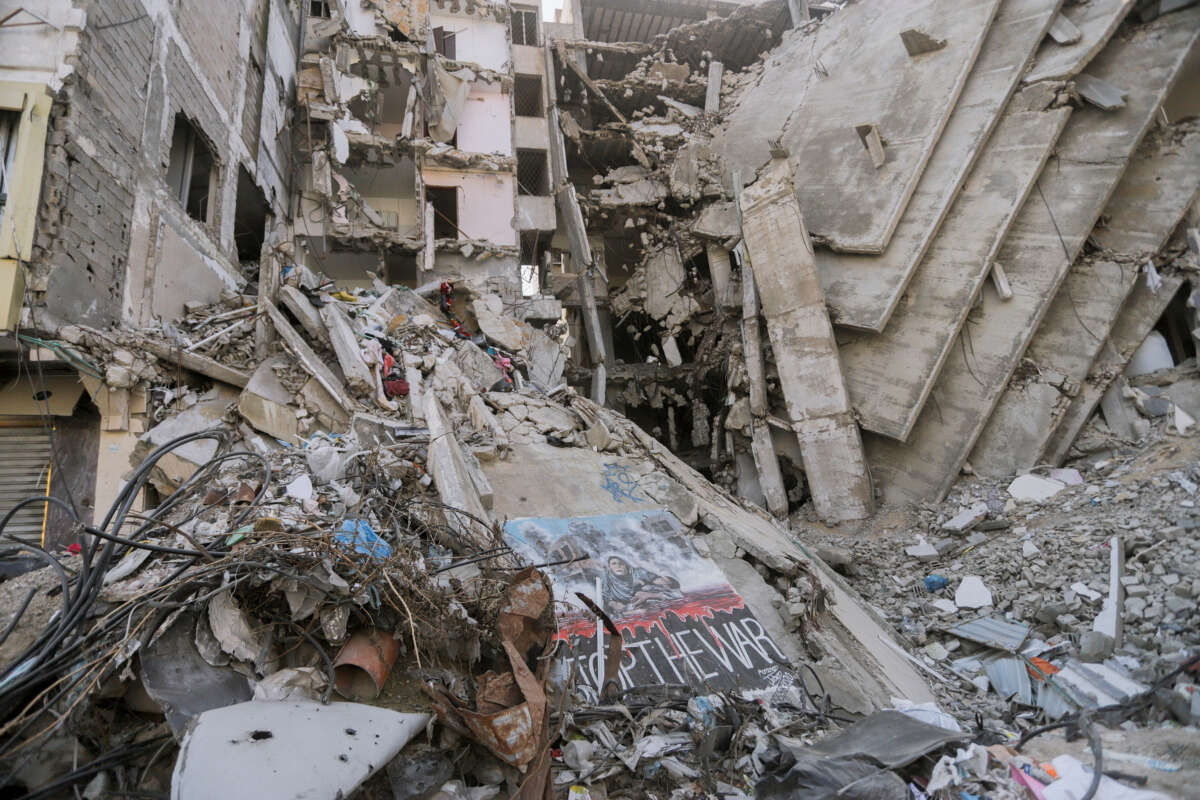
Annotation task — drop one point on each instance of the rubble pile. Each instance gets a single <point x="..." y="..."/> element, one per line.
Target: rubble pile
<point x="283" y="568"/>
<point x="790" y="485"/>
<point x="1077" y="582"/>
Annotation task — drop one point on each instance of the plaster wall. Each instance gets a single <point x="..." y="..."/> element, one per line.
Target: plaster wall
<point x="485" y="203"/>
<point x="478" y="41"/>
<point x="38" y="53"/>
<point x="485" y="126"/>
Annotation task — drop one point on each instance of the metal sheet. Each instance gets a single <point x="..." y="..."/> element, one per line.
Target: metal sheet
<point x="1010" y="678"/>
<point x="994" y="632"/>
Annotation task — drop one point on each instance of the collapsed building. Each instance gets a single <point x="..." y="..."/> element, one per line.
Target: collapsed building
<point x="491" y="372"/>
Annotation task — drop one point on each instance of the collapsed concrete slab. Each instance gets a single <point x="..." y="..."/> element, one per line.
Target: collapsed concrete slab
<point x="806" y="354"/>
<point x="1095" y="21"/>
<point x="889" y="375"/>
<point x="863" y="290"/>
<point x="1093" y="153"/>
<point x="1151" y="198"/>
<point x="177" y="466"/>
<point x="855" y="70"/>
<point x="267" y="405"/>
<point x="1137" y="318"/>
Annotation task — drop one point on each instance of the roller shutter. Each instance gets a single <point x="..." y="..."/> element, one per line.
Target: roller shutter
<point x="24" y="472"/>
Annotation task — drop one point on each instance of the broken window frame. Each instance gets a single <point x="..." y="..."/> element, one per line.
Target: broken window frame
<point x="10" y="129"/>
<point x="527" y="91"/>
<point x="523" y="25"/>
<point x="445" y="43"/>
<point x="181" y="175"/>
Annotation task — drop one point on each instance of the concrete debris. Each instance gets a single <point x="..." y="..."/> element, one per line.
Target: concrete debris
<point x="1034" y="489"/>
<point x="396" y="419"/>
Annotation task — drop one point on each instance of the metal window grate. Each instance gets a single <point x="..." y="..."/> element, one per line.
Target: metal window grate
<point x="527" y="96"/>
<point x="532" y="172"/>
<point x="524" y="27"/>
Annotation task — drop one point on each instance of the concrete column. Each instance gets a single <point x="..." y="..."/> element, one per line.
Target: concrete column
<point x="805" y="350"/>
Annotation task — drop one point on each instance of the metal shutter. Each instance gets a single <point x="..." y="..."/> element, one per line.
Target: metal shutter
<point x="24" y="472"/>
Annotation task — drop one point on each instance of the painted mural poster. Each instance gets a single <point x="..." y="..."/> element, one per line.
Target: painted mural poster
<point x="681" y="621"/>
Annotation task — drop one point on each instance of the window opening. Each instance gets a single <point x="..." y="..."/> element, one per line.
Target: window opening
<point x="190" y="172"/>
<point x="10" y="124"/>
<point x="444" y="43"/>
<point x="445" y="210"/>
<point x="524" y="23"/>
<point x="527" y="96"/>
<point x="532" y="175"/>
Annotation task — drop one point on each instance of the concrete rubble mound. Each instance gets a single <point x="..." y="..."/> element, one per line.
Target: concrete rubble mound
<point x="434" y="401"/>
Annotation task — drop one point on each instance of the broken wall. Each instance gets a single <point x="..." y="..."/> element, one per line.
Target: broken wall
<point x="103" y="246"/>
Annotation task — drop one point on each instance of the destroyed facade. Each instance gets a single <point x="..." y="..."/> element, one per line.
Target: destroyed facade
<point x="430" y="399"/>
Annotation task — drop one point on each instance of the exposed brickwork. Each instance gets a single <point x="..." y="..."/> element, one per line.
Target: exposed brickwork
<point x="187" y="95"/>
<point x="95" y="166"/>
<point x="82" y="246"/>
<point x="210" y="29"/>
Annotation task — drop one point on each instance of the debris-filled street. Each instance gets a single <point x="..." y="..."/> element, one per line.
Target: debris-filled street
<point x="426" y="401"/>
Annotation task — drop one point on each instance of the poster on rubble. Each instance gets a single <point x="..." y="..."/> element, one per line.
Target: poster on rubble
<point x="681" y="621"/>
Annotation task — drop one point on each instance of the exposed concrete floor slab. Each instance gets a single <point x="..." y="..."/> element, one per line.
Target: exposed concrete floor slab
<point x="1152" y="197"/>
<point x="1138" y="316"/>
<point x="580" y="476"/>
<point x="862" y="290"/>
<point x="854" y="70"/>
<point x="1097" y="20"/>
<point x="1048" y="233"/>
<point x="889" y="375"/>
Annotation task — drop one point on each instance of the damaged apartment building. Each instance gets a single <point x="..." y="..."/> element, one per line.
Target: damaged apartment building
<point x="557" y="387"/>
<point x="925" y="300"/>
<point x="157" y="153"/>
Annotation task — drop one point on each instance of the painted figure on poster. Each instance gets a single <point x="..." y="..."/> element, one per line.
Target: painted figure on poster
<point x="628" y="588"/>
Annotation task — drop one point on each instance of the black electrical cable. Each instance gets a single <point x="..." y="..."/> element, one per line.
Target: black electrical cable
<point x="54" y="649"/>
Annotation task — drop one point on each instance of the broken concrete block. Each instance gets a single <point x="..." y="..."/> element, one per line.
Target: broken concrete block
<point x="678" y="500"/>
<point x="485" y="421"/>
<point x="670" y="351"/>
<point x="1101" y="94"/>
<point x="1094" y="647"/>
<point x="1034" y="489"/>
<point x="598" y="436"/>
<point x="542" y="308"/>
<point x="547" y="359"/>
<point x="551" y="419"/>
<point x="918" y="42"/>
<point x="1063" y="31"/>
<point x="971" y="593"/>
<point x="672" y="72"/>
<point x="482" y="486"/>
<point x="346" y="348"/>
<point x="305" y="312"/>
<point x="922" y="550"/>
<point x="476" y="366"/>
<point x="321" y="404"/>
<point x="181" y="463"/>
<point x="966" y="519"/>
<point x="500" y="329"/>
<point x="267" y="405"/>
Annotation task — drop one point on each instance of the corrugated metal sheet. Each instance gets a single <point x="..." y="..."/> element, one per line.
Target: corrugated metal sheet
<point x="24" y="472"/>
<point x="1010" y="678"/>
<point x="994" y="632"/>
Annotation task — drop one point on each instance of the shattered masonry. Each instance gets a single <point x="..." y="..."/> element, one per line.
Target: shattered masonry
<point x="432" y="399"/>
